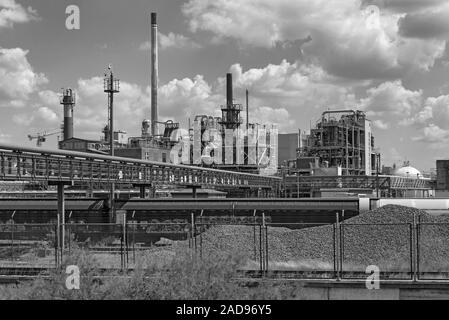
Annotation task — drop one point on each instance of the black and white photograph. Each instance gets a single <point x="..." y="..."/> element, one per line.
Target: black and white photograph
<point x="224" y="157"/>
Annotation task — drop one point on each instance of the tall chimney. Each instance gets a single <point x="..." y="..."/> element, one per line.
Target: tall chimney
<point x="68" y="101"/>
<point x="154" y="74"/>
<point x="229" y="94"/>
<point x="247" y="109"/>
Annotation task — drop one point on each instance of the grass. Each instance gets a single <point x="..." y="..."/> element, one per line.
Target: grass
<point x="181" y="276"/>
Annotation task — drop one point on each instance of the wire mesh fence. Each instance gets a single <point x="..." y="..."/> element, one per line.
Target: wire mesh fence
<point x="301" y="250"/>
<point x="433" y="250"/>
<point x="28" y="245"/>
<point x="388" y="247"/>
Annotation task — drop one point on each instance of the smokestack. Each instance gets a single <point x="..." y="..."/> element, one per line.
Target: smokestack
<point x="247" y="111"/>
<point x="68" y="101"/>
<point x="154" y="74"/>
<point x="229" y="94"/>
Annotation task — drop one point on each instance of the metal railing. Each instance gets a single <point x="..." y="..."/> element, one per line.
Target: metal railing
<point x="32" y="164"/>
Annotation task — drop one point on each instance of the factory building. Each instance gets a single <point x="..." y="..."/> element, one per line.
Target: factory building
<point x="342" y="140"/>
<point x="227" y="143"/>
<point x="442" y="179"/>
<point x="288" y="146"/>
<point x="218" y="142"/>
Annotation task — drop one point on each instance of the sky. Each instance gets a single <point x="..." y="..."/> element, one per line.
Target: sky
<point x="297" y="58"/>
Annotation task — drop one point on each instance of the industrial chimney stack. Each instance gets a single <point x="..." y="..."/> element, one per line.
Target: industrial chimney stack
<point x="229" y="92"/>
<point x="154" y="74"/>
<point x="68" y="101"/>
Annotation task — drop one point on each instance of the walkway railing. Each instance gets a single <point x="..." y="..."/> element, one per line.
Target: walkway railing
<point x="33" y="164"/>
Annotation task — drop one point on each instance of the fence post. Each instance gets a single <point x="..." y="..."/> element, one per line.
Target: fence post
<point x="125" y="238"/>
<point x="55" y="239"/>
<point x="254" y="235"/>
<point x="266" y="242"/>
<point x="134" y="227"/>
<point x="193" y="231"/>
<point x="260" y="248"/>
<point x="415" y="246"/>
<point x="338" y="247"/>
<point x="12" y="241"/>
<point x="418" y="235"/>
<point x="58" y="239"/>
<point x="342" y="235"/>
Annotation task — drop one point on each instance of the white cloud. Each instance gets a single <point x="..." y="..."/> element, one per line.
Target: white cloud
<point x="6" y="138"/>
<point x="380" y="124"/>
<point x="391" y="102"/>
<point x="17" y="78"/>
<point x="277" y="116"/>
<point x="12" y="12"/>
<point x="346" y="40"/>
<point x="293" y="86"/>
<point x="172" y="40"/>
<point x="433" y="135"/>
<point x="49" y="98"/>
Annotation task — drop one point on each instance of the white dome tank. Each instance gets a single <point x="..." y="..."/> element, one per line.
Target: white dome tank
<point x="408" y="172"/>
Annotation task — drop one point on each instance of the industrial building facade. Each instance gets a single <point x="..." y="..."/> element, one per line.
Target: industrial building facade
<point x="341" y="139"/>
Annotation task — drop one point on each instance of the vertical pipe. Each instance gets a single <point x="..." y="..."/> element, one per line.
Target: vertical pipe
<point x="154" y="73"/>
<point x="247" y="109"/>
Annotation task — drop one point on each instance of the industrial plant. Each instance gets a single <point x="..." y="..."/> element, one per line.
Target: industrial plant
<point x="315" y="204"/>
<point x="336" y="157"/>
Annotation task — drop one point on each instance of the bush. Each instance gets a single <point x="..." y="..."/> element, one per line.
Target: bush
<point x="184" y="277"/>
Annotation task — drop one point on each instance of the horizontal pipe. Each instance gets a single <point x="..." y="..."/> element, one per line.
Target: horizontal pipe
<point x="338" y="111"/>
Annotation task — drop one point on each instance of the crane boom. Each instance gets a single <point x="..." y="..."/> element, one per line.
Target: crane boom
<point x="42" y="136"/>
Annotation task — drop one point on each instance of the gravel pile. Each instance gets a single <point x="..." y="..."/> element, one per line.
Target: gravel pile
<point x="387" y="246"/>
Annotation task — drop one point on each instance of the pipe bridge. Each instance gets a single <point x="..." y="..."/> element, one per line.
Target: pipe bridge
<point x="57" y="166"/>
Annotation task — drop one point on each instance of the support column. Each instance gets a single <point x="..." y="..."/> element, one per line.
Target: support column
<point x="61" y="215"/>
<point x="112" y="203"/>
<point x="194" y="188"/>
<point x="142" y="189"/>
<point x="61" y="212"/>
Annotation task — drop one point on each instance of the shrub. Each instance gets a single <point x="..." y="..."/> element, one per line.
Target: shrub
<point x="184" y="277"/>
